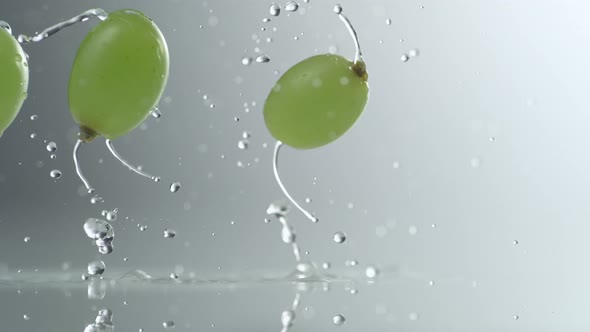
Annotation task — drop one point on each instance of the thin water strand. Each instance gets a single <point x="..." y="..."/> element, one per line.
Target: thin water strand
<point x="275" y="168"/>
<point x="5" y="25"/>
<point x="288" y="316"/>
<point x="97" y="12"/>
<point x="358" y="56"/>
<point x="289" y="232"/>
<point x="126" y="163"/>
<point x="78" y="169"/>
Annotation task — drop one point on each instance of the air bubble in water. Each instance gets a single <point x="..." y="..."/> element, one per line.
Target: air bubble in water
<point x="169" y="324"/>
<point x="338" y="320"/>
<point x="339" y="237"/>
<point x="338" y="9"/>
<point x="262" y="59"/>
<point x="96" y="268"/>
<point x="405" y="58"/>
<point x="388" y="21"/>
<point x="27" y="239"/>
<point x="174" y="187"/>
<point x="292" y="6"/>
<point x="275" y="9"/>
<point x="169" y="233"/>
<point x="51" y="147"/>
<point x="56" y="174"/>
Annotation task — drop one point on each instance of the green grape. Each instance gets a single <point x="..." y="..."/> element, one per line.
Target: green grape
<point x="118" y="75"/>
<point x="316" y="101"/>
<point x="14" y="78"/>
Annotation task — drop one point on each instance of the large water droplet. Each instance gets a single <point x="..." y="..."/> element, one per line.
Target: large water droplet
<point x="275" y="9"/>
<point x="338" y="9"/>
<point x="262" y="58"/>
<point x="96" y="268"/>
<point x="338" y="320"/>
<point x="174" y="187"/>
<point x="56" y="174"/>
<point x="292" y="6"/>
<point x="168" y="324"/>
<point x="339" y="237"/>
<point x="51" y="147"/>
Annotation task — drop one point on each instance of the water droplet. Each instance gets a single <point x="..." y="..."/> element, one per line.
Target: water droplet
<point x="174" y="187"/>
<point x="156" y="113"/>
<point x="371" y="272"/>
<point x="27" y="239"/>
<point x="307" y="200"/>
<point x="56" y="174"/>
<point x="326" y="265"/>
<point x="33" y="135"/>
<point x="111" y="215"/>
<point x="516" y="317"/>
<point x="242" y="144"/>
<point x="26" y="317"/>
<point x="431" y="283"/>
<point x="338" y="9"/>
<point x="405" y="58"/>
<point x="96" y="268"/>
<point x="278" y="209"/>
<point x="51" y="147"/>
<point x="292" y="6"/>
<point x="414" y="53"/>
<point x="515" y="242"/>
<point x="246" y="135"/>
<point x="169" y="233"/>
<point x="262" y="58"/>
<point x="266" y="20"/>
<point x="275" y="9"/>
<point x="142" y="228"/>
<point x="169" y="324"/>
<point x="339" y="237"/>
<point x="34" y="117"/>
<point x="287" y="318"/>
<point x="246" y="60"/>
<point x="388" y="21"/>
<point x="338" y="320"/>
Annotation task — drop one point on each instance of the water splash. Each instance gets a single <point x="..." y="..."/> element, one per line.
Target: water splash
<point x="97" y="12"/>
<point x="275" y="168"/>
<point x="78" y="169"/>
<point x="126" y="163"/>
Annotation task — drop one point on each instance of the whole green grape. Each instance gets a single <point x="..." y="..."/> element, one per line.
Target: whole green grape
<point x="118" y="75"/>
<point x="316" y="101"/>
<point x="14" y="78"/>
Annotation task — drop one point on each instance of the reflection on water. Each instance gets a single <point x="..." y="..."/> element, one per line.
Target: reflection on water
<point x="139" y="301"/>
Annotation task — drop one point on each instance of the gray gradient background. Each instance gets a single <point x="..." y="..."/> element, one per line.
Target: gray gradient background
<point x="513" y="70"/>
